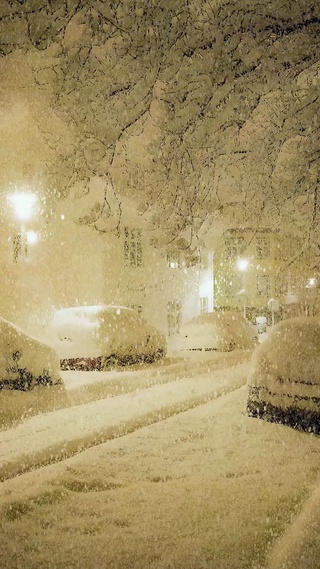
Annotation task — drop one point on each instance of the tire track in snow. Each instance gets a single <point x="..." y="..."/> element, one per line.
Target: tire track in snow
<point x="86" y="387"/>
<point x="53" y="437"/>
<point x="299" y="545"/>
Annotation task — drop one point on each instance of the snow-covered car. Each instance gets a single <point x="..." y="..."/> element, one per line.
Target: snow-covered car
<point x="284" y="385"/>
<point x="219" y="330"/>
<point x="90" y="337"/>
<point x="24" y="361"/>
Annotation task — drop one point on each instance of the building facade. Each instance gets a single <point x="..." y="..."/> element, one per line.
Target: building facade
<point x="75" y="262"/>
<point x="277" y="267"/>
<point x="167" y="285"/>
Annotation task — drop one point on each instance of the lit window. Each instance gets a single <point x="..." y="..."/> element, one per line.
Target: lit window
<point x="132" y="247"/>
<point x="173" y="260"/>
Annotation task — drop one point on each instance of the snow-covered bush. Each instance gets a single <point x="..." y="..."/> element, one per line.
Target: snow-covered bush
<point x="24" y="361"/>
<point x="222" y="331"/>
<point x="285" y="382"/>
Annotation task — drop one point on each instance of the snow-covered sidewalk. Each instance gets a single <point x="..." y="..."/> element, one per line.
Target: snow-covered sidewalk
<point x="206" y="489"/>
<point x="47" y="437"/>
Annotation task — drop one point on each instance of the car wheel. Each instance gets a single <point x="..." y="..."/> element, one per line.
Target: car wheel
<point x="26" y="381"/>
<point x="108" y="361"/>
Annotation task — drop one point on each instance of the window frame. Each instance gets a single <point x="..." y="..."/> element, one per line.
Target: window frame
<point x="132" y="247"/>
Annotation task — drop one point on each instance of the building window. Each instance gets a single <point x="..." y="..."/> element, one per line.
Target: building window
<point x="173" y="260"/>
<point x="234" y="247"/>
<point x="297" y="283"/>
<point x="280" y="285"/>
<point x="232" y="285"/>
<point x="174" y="317"/>
<point x="263" y="248"/>
<point x="289" y="249"/>
<point x="263" y="286"/>
<point x="132" y="247"/>
<point x="204" y="305"/>
<point x="277" y="251"/>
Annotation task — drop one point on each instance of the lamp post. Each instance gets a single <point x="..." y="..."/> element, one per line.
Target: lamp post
<point x="23" y="204"/>
<point x="242" y="265"/>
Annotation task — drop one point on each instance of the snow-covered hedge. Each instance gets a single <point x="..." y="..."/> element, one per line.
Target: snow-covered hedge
<point x="285" y="382"/>
<point x="24" y="361"/>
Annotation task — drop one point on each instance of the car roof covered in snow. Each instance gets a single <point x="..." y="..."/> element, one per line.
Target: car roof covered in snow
<point x="216" y="317"/>
<point x="291" y="351"/>
<point x="92" y="309"/>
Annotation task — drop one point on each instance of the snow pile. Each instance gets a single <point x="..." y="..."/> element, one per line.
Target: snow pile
<point x="223" y="331"/>
<point x="106" y="330"/>
<point x="25" y="361"/>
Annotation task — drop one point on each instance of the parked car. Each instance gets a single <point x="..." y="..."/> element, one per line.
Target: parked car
<point x="219" y="330"/>
<point x="24" y="361"/>
<point x="284" y="386"/>
<point x="91" y="337"/>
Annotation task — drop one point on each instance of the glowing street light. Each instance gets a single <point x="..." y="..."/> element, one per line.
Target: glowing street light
<point x="311" y="293"/>
<point x="23" y="204"/>
<point x="242" y="265"/>
<point x="311" y="283"/>
<point x="32" y="237"/>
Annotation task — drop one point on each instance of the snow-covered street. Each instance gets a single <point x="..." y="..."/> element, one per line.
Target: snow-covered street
<point x="123" y="402"/>
<point x="202" y="487"/>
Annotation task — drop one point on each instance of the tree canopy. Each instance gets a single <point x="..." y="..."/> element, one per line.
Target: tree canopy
<point x="189" y="106"/>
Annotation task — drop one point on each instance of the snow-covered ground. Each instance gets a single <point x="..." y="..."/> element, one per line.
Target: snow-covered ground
<point x="62" y="433"/>
<point x="208" y="488"/>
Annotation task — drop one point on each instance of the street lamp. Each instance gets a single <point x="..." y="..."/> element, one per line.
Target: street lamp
<point x="242" y="265"/>
<point x="23" y="204"/>
<point x="311" y="287"/>
<point x="311" y="283"/>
